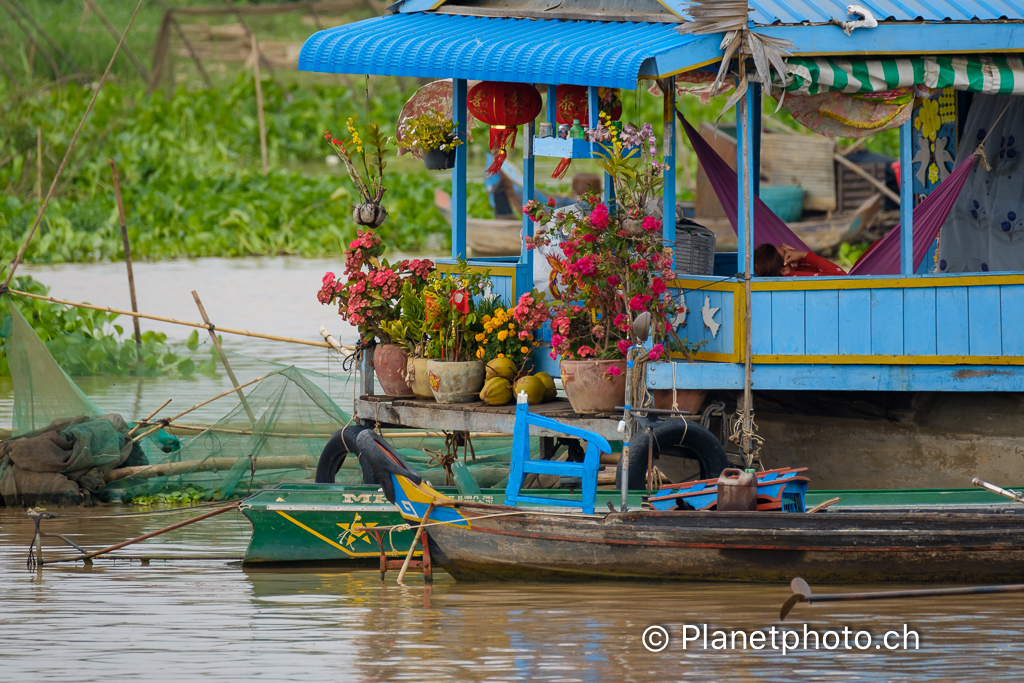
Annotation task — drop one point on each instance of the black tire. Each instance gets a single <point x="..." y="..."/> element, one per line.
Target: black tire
<point x="678" y="439"/>
<point x="333" y="456"/>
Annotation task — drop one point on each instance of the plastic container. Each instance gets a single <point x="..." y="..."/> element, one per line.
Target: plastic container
<point x="785" y="201"/>
<point x="695" y="248"/>
<point x="737" y="491"/>
<point x="576" y="131"/>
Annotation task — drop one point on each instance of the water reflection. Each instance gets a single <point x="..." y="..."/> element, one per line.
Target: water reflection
<point x="222" y="622"/>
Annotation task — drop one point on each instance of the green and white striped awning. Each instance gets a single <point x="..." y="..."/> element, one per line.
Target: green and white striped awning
<point x="999" y="75"/>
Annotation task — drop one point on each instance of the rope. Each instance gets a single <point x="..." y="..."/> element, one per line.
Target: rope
<point x="740" y="436"/>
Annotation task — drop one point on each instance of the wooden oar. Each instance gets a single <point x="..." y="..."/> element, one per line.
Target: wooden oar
<point x="802" y="593"/>
<point x="1012" y="495"/>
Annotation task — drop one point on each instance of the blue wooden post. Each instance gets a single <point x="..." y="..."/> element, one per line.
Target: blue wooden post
<point x="745" y="186"/>
<point x="594" y="118"/>
<point x="906" y="199"/>
<point x="668" y="192"/>
<point x="525" y="255"/>
<point x="553" y="108"/>
<point x="459" y="172"/>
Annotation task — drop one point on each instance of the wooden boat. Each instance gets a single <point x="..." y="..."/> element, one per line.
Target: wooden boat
<point x="307" y="523"/>
<point x="479" y="541"/>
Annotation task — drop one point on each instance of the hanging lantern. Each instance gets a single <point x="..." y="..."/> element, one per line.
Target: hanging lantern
<point x="503" y="106"/>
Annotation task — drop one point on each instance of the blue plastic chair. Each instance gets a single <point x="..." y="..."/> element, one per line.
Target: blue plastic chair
<point x="522" y="465"/>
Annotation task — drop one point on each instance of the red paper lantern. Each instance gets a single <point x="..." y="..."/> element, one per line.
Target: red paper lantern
<point x="571" y="104"/>
<point x="503" y="106"/>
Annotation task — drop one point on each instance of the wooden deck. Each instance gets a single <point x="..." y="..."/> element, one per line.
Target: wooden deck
<point x="475" y="417"/>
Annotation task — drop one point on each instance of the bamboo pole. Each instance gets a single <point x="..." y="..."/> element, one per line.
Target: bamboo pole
<point x="259" y="101"/>
<point x="113" y="31"/>
<point x="39" y="165"/>
<point x="88" y="556"/>
<point x="410" y="434"/>
<point x="36" y="47"/>
<point x="415" y="542"/>
<point x="49" y="41"/>
<point x="171" y="469"/>
<point x="71" y="146"/>
<point x="146" y="419"/>
<point x="127" y="254"/>
<point x="748" y="395"/>
<point x="195" y="407"/>
<point x="174" y="321"/>
<point x="173" y="21"/>
<point x="223" y="356"/>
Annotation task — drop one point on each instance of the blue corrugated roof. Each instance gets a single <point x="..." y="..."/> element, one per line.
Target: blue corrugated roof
<point x="494" y="49"/>
<point x="823" y="11"/>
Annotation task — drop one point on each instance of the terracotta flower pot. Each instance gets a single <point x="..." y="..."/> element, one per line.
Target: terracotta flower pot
<point x="589" y="390"/>
<point x="416" y="378"/>
<point x="455" y="382"/>
<point x="389" y="365"/>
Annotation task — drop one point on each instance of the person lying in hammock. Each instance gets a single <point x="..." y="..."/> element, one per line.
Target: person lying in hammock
<point x="773" y="261"/>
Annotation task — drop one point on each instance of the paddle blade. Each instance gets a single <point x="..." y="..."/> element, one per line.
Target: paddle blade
<point x="788" y="606"/>
<point x="800" y="586"/>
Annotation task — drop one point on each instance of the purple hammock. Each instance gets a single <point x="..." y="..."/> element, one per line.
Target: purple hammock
<point x="884" y="257"/>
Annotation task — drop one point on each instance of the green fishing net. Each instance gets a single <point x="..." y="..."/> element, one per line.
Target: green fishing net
<point x="227" y="448"/>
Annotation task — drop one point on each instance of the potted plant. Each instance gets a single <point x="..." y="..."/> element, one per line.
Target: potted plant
<point x="409" y="333"/>
<point x="610" y="274"/>
<point x="453" y="369"/>
<point x="433" y="136"/>
<point x="509" y="332"/>
<point x="363" y="157"/>
<point x="369" y="297"/>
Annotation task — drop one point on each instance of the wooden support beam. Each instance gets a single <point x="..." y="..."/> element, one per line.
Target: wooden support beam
<point x="127" y="253"/>
<point x="223" y="356"/>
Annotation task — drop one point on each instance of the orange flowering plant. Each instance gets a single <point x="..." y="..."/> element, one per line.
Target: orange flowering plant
<point x="510" y="332"/>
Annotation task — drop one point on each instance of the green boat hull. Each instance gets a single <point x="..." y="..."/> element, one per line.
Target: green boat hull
<point x="326" y="523"/>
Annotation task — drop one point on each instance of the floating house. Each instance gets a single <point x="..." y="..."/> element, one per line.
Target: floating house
<point x="910" y="376"/>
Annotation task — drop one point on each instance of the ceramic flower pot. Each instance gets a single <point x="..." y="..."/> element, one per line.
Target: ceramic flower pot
<point x="416" y="378"/>
<point x="371" y="215"/>
<point x="455" y="382"/>
<point x="689" y="400"/>
<point x="439" y="159"/>
<point x="588" y="388"/>
<point x="389" y="363"/>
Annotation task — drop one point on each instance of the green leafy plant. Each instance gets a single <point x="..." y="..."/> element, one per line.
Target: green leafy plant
<point x="363" y="157"/>
<point x="409" y="330"/>
<point x="190" y="495"/>
<point x="451" y="317"/>
<point x="432" y="130"/>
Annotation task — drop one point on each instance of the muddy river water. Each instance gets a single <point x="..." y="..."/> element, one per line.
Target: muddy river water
<point x="216" y="620"/>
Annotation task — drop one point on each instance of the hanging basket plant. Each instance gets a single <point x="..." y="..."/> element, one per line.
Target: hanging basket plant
<point x="434" y="136"/>
<point x="363" y="157"/>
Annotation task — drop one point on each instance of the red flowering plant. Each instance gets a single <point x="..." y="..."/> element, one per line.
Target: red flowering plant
<point x="369" y="295"/>
<point x="452" y="317"/>
<point x="609" y="275"/>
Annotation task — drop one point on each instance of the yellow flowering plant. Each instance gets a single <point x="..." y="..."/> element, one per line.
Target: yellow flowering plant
<point x="432" y="130"/>
<point x="510" y="332"/>
<point x="363" y="157"/>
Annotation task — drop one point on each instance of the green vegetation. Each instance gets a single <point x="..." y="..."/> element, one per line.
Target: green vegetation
<point x="190" y="495"/>
<point x="87" y="342"/>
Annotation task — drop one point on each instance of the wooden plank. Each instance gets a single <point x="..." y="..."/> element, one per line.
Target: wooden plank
<point x="729" y="376"/>
<point x="472" y="417"/>
<point x="1012" y="308"/>
<point x="788" y="322"/>
<point x="855" y="322"/>
<point x="951" y="321"/>
<point x="822" y="326"/>
<point x="716" y="343"/>
<point x="761" y="322"/>
<point x="919" y="331"/>
<point x="887" y="321"/>
<point x="983" y="314"/>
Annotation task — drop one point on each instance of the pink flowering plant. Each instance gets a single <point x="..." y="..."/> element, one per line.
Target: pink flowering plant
<point x="609" y="275"/>
<point x="369" y="295"/>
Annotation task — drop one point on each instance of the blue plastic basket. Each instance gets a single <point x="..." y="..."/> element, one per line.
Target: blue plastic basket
<point x="785" y="201"/>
